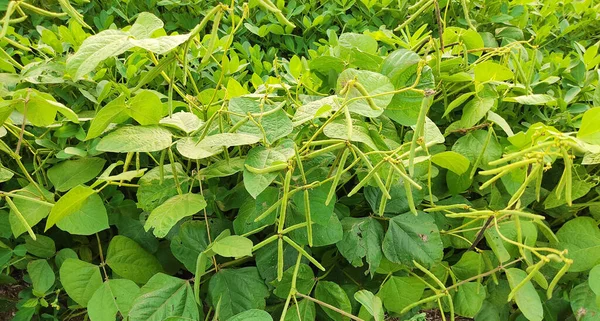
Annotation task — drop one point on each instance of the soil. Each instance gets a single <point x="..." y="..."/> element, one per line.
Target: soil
<point x="9" y="295"/>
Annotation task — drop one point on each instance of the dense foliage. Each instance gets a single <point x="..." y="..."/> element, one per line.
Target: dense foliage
<point x="307" y="160"/>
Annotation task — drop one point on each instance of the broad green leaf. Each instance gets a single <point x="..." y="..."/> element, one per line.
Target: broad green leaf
<point x="475" y="110"/>
<point x="80" y="280"/>
<point x="145" y="25"/>
<point x="584" y="303"/>
<point x="145" y="108"/>
<point x="275" y="123"/>
<point x="303" y="311"/>
<point x="401" y="68"/>
<point x="526" y="297"/>
<point x="185" y="121"/>
<point x="261" y="157"/>
<point x="33" y="212"/>
<point x="400" y="291"/>
<point x="533" y="99"/>
<point x="457" y="102"/>
<point x="41" y="275"/>
<point x="233" y="246"/>
<point x="80" y="211"/>
<point x="453" y="161"/>
<point x="339" y="129"/>
<point x="129" y="260"/>
<point x="469" y="298"/>
<point x="581" y="237"/>
<point x="491" y="71"/>
<point x="371" y="303"/>
<point x="470" y="264"/>
<point x="95" y="49"/>
<point x="252" y="208"/>
<point x="114" y="112"/>
<point x="362" y="239"/>
<point x="71" y="173"/>
<point x="411" y="237"/>
<point x="594" y="279"/>
<point x="166" y="215"/>
<point x="43" y="246"/>
<point x="158" y="185"/>
<point x="164" y="297"/>
<point x="63" y="255"/>
<point x="191" y="148"/>
<point x="252" y="315"/>
<point x="222" y="168"/>
<point x="589" y="131"/>
<point x="160" y="45"/>
<point x="190" y="241"/>
<point x="365" y="83"/>
<point x="472" y="144"/>
<point x="135" y="139"/>
<point x="305" y="280"/>
<point x="320" y="108"/>
<point x="331" y="293"/>
<point x="237" y="290"/>
<point x="579" y="188"/>
<point x="114" y="296"/>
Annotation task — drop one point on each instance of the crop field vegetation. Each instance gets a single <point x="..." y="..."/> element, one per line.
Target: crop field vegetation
<point x="300" y="160"/>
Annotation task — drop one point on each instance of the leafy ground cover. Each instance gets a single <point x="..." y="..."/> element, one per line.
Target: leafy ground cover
<point x="307" y="160"/>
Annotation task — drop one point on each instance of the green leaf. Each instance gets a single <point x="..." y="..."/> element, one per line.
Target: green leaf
<point x="368" y="83"/>
<point x="475" y="110"/>
<point x="114" y="296"/>
<point x="333" y="294"/>
<point x="41" y="275"/>
<point x="233" y="246"/>
<point x="191" y="148"/>
<point x="581" y="237"/>
<point x="222" y="168"/>
<point x="400" y="291"/>
<point x="252" y="208"/>
<point x="319" y="108"/>
<point x="276" y="124"/>
<point x="470" y="264"/>
<point x="533" y="99"/>
<point x="362" y="239"/>
<point x="473" y="143"/>
<point x="145" y="108"/>
<point x="594" y="279"/>
<point x="237" y="290"/>
<point x="526" y="297"/>
<point x="166" y="215"/>
<point x="129" y="260"/>
<point x="305" y="280"/>
<point x="401" y="68"/>
<point x="80" y="211"/>
<point x="457" y="102"/>
<point x="579" y="188"/>
<point x="71" y="173"/>
<point x="491" y="71"/>
<point x="33" y="212"/>
<point x="261" y="157"/>
<point x="135" y="139"/>
<point x="185" y="121"/>
<point x="114" y="112"/>
<point x="252" y="315"/>
<point x="303" y="311"/>
<point x="469" y="298"/>
<point x="453" y="161"/>
<point x="339" y="129"/>
<point x="42" y="246"/>
<point x="155" y="188"/>
<point x="164" y="297"/>
<point x="95" y="49"/>
<point x="411" y="237"/>
<point x="584" y="303"/>
<point x="589" y="131"/>
<point x="371" y="303"/>
<point x="190" y="241"/>
<point x="80" y="280"/>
